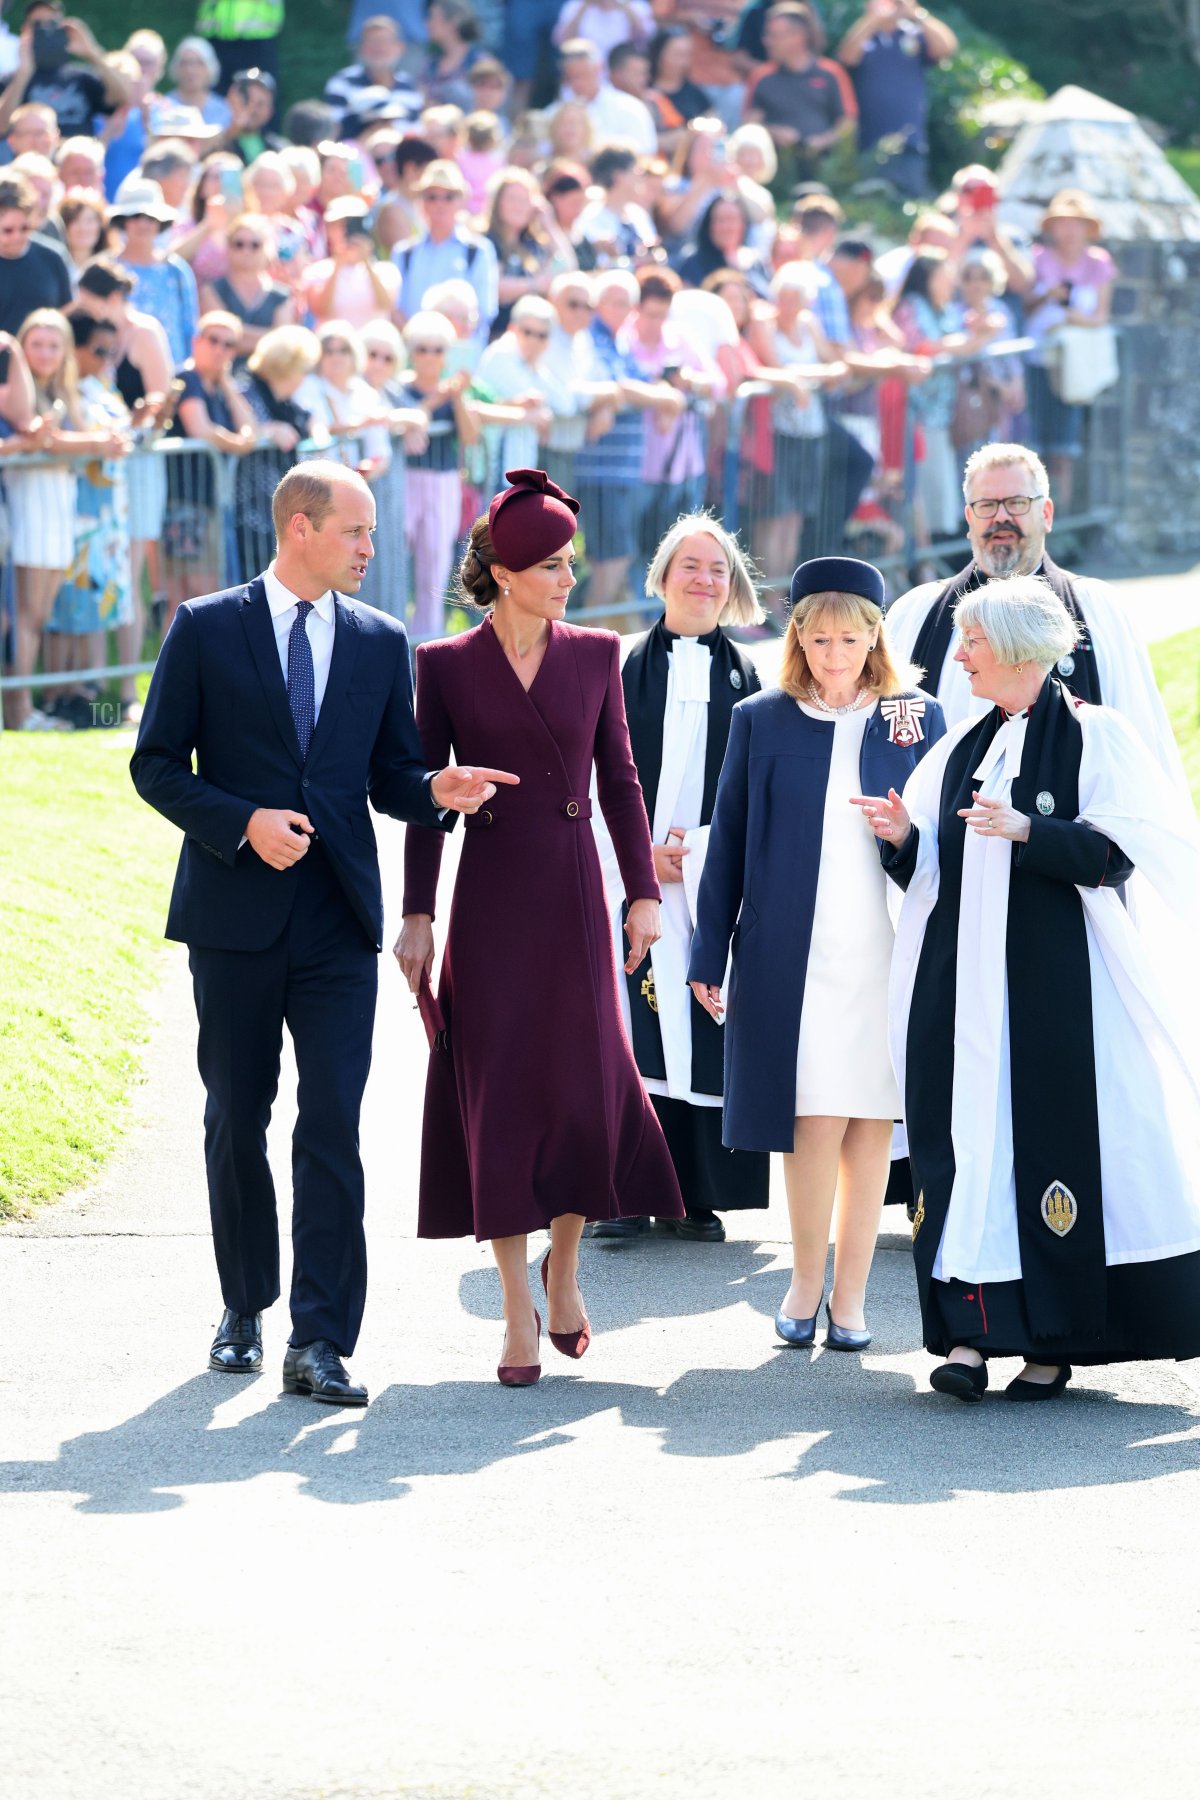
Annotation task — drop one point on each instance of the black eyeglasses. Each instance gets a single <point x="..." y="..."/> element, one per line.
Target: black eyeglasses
<point x="1016" y="506"/>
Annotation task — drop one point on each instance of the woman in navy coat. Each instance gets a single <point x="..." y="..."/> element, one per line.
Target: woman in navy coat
<point x="535" y="1116"/>
<point x="793" y="881"/>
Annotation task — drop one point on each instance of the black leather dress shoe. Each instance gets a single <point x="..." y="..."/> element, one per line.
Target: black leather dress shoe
<point x="618" y="1228"/>
<point x="317" y="1371"/>
<point x="1038" y="1390"/>
<point x="966" y="1381"/>
<point x="237" y="1347"/>
<point x="707" y="1229"/>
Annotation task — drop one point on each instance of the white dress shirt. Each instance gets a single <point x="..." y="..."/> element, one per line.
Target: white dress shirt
<point x="283" y="603"/>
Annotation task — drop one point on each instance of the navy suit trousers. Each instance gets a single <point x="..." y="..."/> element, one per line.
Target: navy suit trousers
<point x="320" y="978"/>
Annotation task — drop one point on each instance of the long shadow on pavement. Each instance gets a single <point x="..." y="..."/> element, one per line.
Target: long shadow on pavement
<point x="827" y="1415"/>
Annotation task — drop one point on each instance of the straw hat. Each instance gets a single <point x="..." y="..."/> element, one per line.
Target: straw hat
<point x="442" y="174"/>
<point x="139" y="197"/>
<point x="1071" y="203"/>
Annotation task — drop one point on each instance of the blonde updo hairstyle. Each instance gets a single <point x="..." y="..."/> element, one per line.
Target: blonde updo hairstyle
<point x="881" y="676"/>
<point x="476" y="583"/>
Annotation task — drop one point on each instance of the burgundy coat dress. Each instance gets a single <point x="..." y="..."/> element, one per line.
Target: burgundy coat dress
<point x="536" y="1109"/>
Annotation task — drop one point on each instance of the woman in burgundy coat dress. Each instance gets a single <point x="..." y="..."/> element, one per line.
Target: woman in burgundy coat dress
<point x="535" y="1116"/>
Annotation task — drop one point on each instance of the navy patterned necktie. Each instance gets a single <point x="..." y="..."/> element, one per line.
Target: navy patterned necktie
<point x="301" y="681"/>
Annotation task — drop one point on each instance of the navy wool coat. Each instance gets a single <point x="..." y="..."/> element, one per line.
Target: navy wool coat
<point x="759" y="891"/>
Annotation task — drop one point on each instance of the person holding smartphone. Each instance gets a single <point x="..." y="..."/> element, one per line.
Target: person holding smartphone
<point x="60" y="64"/>
<point x="889" y="52"/>
<point x="350" y="282"/>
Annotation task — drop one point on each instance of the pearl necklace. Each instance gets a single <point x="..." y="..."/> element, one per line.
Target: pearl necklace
<point x="836" y="711"/>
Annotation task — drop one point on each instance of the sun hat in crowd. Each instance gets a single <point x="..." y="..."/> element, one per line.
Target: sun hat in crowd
<point x="442" y="173"/>
<point x="1072" y="203"/>
<point x="140" y="198"/>
<point x="171" y="119"/>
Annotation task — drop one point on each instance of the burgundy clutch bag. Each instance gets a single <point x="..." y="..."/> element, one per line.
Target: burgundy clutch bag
<point x="432" y="1016"/>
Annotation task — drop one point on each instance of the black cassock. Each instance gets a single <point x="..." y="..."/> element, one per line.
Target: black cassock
<point x="711" y="1176"/>
<point x="1070" y="1304"/>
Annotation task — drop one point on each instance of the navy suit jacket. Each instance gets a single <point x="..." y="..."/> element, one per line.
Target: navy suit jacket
<point x="219" y="692"/>
<point x="759" y="891"/>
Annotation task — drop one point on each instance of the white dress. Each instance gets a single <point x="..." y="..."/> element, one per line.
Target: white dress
<point x="843" y="1067"/>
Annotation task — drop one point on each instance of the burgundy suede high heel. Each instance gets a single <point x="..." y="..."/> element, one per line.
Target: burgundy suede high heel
<point x="521" y="1375"/>
<point x="567" y="1343"/>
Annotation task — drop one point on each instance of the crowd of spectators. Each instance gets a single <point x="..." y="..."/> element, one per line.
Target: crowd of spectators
<point x="600" y="236"/>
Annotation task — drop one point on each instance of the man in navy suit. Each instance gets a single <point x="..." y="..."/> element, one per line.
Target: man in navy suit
<point x="297" y="704"/>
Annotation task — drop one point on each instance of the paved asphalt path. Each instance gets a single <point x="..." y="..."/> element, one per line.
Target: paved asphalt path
<point x="694" y="1565"/>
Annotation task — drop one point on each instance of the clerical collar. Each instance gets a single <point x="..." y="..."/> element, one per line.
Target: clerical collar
<point x="710" y="639"/>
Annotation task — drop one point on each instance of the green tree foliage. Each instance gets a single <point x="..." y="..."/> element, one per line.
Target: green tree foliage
<point x="984" y="69"/>
<point x="1143" y="57"/>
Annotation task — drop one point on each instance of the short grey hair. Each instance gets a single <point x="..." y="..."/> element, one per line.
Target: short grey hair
<point x="989" y="264"/>
<point x="532" y="306"/>
<point x="797" y="278"/>
<point x="202" y="48"/>
<point x="742" y="606"/>
<point x="999" y="456"/>
<point x="569" y="281"/>
<point x="1022" y="618"/>
<point x="607" y="280"/>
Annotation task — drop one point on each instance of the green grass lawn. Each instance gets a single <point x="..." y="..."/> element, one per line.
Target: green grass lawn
<point x="1177" y="670"/>
<point x="85" y="870"/>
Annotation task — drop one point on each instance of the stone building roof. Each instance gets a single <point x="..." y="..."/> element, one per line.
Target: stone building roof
<point x="1078" y="140"/>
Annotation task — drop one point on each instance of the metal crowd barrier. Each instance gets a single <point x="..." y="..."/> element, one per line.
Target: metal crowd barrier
<point x="202" y="518"/>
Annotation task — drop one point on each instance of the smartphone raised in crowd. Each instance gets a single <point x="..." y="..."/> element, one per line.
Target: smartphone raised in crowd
<point x="230" y="181"/>
<point x="49" y="46"/>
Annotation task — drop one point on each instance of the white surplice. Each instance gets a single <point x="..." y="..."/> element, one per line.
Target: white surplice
<point x="1147" y="1045"/>
<point x="679" y="801"/>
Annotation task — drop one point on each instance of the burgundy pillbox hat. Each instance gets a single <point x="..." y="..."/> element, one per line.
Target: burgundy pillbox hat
<point x="531" y="519"/>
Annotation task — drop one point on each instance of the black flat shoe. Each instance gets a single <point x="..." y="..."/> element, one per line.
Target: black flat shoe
<point x="237" y="1347"/>
<point x="966" y="1381"/>
<point x="618" y="1228"/>
<point x="840" y="1337"/>
<point x="797" y="1334"/>
<point x="708" y="1230"/>
<point x="1038" y="1390"/>
<point x="318" y="1372"/>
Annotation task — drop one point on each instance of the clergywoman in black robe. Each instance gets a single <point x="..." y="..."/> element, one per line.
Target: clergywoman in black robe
<point x="1045" y="1053"/>
<point x="682" y="680"/>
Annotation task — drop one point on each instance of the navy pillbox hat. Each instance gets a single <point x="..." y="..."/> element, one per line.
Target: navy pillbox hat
<point x="837" y="575"/>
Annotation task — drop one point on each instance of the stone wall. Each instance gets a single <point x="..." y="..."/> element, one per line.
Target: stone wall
<point x="1145" y="439"/>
